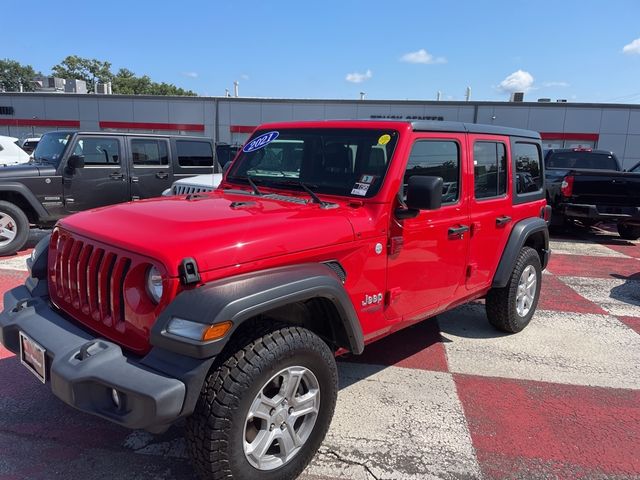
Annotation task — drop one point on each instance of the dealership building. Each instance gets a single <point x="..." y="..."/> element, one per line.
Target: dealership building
<point x="614" y="127"/>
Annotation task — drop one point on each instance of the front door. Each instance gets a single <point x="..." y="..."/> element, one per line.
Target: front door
<point x="150" y="171"/>
<point x="428" y="253"/>
<point x="103" y="180"/>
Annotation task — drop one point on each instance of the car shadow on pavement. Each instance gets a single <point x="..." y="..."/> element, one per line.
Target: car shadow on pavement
<point x="629" y="291"/>
<point x="469" y="321"/>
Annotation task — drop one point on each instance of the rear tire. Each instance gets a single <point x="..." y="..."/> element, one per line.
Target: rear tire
<point x="628" y="232"/>
<point x="510" y="308"/>
<point x="14" y="228"/>
<point x="248" y="425"/>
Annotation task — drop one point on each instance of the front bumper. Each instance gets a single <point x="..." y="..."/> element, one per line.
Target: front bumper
<point x="150" y="399"/>
<point x="602" y="213"/>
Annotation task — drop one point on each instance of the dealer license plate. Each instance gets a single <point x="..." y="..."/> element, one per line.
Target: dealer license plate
<point x="32" y="356"/>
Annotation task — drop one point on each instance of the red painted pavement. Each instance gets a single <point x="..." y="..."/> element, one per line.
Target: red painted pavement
<point x="556" y="295"/>
<point x="631" y="322"/>
<point x="622" y="246"/>
<point x="522" y="427"/>
<point x="419" y="346"/>
<point x="595" y="267"/>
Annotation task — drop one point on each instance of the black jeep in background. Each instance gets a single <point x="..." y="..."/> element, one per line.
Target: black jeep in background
<point x="75" y="171"/>
<point x="589" y="186"/>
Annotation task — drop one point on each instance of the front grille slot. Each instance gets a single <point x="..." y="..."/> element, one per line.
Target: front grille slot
<point x="88" y="280"/>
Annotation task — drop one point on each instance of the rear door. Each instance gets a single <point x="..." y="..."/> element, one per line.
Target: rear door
<point x="150" y="167"/>
<point x="489" y="206"/>
<point x="104" y="178"/>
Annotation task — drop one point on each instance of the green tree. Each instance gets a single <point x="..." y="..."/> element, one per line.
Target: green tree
<point x="13" y="73"/>
<point x="90" y="70"/>
<point x="125" y="82"/>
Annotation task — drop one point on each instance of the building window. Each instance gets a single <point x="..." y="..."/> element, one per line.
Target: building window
<point x="489" y="169"/>
<point x="439" y="159"/>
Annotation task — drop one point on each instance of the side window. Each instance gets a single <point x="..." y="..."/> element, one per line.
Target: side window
<point x="194" y="154"/>
<point x="436" y="158"/>
<point x="149" y="152"/>
<point x="489" y="169"/>
<point x="528" y="162"/>
<point x="99" y="151"/>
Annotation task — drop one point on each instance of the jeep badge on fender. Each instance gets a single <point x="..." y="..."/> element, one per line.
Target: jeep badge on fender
<point x="233" y="320"/>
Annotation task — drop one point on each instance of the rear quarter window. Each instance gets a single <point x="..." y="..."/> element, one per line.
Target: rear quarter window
<point x="194" y="153"/>
<point x="528" y="170"/>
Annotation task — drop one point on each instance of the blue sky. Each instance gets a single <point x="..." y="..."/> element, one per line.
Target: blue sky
<point x="336" y="49"/>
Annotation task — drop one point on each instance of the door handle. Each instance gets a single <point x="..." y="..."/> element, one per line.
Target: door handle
<point x="162" y="175"/>
<point x="135" y="179"/>
<point x="502" y="221"/>
<point x="116" y="176"/>
<point x="458" y="231"/>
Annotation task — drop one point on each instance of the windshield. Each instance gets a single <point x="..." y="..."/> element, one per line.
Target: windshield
<point x="51" y="146"/>
<point x="587" y="160"/>
<point x="346" y="162"/>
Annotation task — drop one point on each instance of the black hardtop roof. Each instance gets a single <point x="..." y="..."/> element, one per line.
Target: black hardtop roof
<point x="133" y="134"/>
<point x="463" y="127"/>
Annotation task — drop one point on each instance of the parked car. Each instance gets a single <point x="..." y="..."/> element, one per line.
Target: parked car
<point x="29" y="144"/>
<point x="197" y="184"/>
<point x="228" y="308"/>
<point x="75" y="171"/>
<point x="10" y="152"/>
<point x="590" y="186"/>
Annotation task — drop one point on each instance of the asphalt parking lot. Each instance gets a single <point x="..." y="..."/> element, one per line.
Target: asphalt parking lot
<point x="449" y="398"/>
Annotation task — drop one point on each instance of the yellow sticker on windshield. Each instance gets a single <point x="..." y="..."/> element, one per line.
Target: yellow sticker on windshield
<point x="384" y="139"/>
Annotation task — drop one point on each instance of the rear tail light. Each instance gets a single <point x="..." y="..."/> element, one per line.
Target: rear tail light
<point x="545" y="213"/>
<point x="566" y="188"/>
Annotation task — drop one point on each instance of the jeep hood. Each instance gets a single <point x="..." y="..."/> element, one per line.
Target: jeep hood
<point x="23" y="170"/>
<point x="218" y="229"/>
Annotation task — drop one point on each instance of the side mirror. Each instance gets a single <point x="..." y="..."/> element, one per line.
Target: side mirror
<point x="423" y="193"/>
<point x="75" y="161"/>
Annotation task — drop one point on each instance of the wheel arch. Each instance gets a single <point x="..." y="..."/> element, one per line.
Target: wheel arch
<point x="531" y="232"/>
<point x="23" y="198"/>
<point x="309" y="295"/>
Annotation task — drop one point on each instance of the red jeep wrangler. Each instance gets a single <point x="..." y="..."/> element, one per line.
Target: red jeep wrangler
<point x="228" y="308"/>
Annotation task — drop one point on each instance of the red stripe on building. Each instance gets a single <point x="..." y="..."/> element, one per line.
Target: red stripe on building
<point x="36" y="122"/>
<point x="192" y="127"/>
<point x="593" y="137"/>
<point x="241" y="129"/>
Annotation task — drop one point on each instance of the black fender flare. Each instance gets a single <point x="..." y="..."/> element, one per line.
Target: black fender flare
<point x="242" y="297"/>
<point x="28" y="195"/>
<point x="517" y="239"/>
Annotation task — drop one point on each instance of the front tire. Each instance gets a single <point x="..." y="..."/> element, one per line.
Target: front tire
<point x="14" y="228"/>
<point x="510" y="308"/>
<point x="628" y="232"/>
<point x="263" y="412"/>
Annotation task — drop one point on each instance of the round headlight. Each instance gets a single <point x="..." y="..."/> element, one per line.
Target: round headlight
<point x="154" y="284"/>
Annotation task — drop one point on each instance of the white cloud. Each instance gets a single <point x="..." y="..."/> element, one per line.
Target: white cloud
<point x="358" y="77"/>
<point x="190" y="74"/>
<point x="421" y="56"/>
<point x="244" y="76"/>
<point x="633" y="47"/>
<point x="555" y="84"/>
<point x="518" y="81"/>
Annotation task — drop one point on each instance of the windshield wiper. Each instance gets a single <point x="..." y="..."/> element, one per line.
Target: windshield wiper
<point x="305" y="187"/>
<point x="255" y="188"/>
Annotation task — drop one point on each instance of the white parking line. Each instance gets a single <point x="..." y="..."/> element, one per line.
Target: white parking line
<point x="14" y="263"/>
